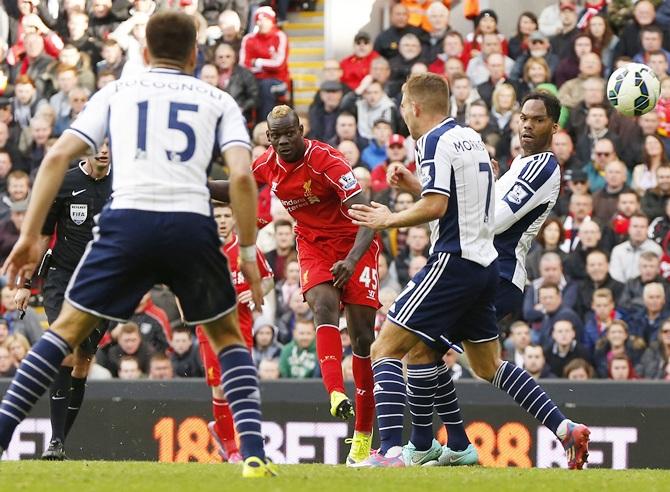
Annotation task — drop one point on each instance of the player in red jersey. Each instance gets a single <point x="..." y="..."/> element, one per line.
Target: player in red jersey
<point x="223" y="428"/>
<point x="338" y="260"/>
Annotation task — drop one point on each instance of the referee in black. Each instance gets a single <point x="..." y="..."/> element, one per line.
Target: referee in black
<point x="85" y="190"/>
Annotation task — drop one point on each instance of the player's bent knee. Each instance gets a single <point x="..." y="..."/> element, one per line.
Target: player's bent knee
<point x="422" y="354"/>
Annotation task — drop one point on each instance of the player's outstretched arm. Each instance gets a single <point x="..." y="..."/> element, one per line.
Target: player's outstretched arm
<point x="377" y="216"/>
<point x="27" y="251"/>
<point x="344" y="269"/>
<point x="244" y="200"/>
<point x="219" y="189"/>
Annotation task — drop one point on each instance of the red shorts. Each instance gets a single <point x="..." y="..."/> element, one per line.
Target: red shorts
<point x="210" y="361"/>
<point x="316" y="260"/>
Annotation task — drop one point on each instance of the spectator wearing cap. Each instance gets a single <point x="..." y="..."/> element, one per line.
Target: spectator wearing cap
<point x="346" y="129"/>
<point x="538" y="47"/>
<point x="386" y="42"/>
<point x="562" y="41"/>
<point x="265" y="52"/>
<point x="485" y="23"/>
<point x="373" y="105"/>
<point x="654" y="200"/>
<point x="357" y="66"/>
<point x="211" y="9"/>
<point x="438" y="16"/>
<point x="526" y="25"/>
<point x="323" y="117"/>
<point x="478" y="70"/>
<point x="575" y="181"/>
<point x="375" y="153"/>
<point x="549" y="21"/>
<point x="395" y="153"/>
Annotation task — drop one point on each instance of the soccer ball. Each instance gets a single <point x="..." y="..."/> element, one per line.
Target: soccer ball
<point x="633" y="89"/>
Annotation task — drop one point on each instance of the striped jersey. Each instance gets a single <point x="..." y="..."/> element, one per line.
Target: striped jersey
<point x="453" y="161"/>
<point x="526" y="194"/>
<point x="163" y="126"/>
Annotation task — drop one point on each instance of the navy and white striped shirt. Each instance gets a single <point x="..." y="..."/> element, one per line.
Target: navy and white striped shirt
<point x="526" y="194"/>
<point x="453" y="161"/>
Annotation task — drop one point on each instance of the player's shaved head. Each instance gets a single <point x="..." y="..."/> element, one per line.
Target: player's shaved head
<point x="171" y="37"/>
<point x="285" y="133"/>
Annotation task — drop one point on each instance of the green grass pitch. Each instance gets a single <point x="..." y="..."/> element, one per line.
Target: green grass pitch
<point x="98" y="476"/>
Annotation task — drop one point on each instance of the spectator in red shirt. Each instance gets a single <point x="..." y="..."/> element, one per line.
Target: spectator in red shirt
<point x="265" y="52"/>
<point x="395" y="152"/>
<point x="357" y="66"/>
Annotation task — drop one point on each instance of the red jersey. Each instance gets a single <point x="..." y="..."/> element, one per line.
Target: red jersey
<point x="232" y="252"/>
<point x="266" y="54"/>
<point x="312" y="190"/>
<point x="354" y="69"/>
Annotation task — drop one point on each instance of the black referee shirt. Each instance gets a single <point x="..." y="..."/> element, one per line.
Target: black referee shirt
<point x="79" y="199"/>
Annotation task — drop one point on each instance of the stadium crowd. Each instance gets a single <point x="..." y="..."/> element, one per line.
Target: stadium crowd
<point x="598" y="300"/>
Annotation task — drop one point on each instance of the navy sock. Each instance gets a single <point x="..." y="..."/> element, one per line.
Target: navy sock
<point x="76" y="398"/>
<point x="421" y="386"/>
<point x="59" y="399"/>
<point x="521" y="386"/>
<point x="32" y="379"/>
<point x="446" y="405"/>
<point x="389" y="393"/>
<point x="239" y="379"/>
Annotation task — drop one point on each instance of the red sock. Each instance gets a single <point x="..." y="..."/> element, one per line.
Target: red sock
<point x="365" y="398"/>
<point x="225" y="427"/>
<point x="329" y="351"/>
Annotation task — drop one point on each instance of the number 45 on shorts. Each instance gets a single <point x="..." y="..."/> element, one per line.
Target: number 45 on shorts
<point x="370" y="279"/>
